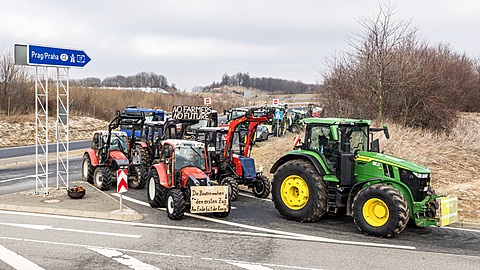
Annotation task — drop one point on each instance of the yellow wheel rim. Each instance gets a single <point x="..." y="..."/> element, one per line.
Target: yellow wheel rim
<point x="375" y="212"/>
<point x="294" y="192"/>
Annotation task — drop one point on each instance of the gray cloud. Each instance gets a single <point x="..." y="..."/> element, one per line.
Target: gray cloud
<point x="195" y="42"/>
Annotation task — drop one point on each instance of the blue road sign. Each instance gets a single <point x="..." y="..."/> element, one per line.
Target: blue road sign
<point x="278" y="115"/>
<point x="54" y="56"/>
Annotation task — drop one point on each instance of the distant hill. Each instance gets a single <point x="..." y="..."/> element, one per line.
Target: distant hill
<point x="267" y="84"/>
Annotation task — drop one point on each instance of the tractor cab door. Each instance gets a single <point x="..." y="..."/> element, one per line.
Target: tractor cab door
<point x="166" y="158"/>
<point x="321" y="140"/>
<point x="97" y="143"/>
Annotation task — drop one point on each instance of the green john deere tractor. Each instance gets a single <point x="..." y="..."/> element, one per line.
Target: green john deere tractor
<point x="339" y="167"/>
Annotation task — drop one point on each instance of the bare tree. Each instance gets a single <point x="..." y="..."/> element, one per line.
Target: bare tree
<point x="13" y="79"/>
<point x="389" y="73"/>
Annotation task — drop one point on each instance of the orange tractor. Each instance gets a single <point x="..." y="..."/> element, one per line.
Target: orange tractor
<point x="183" y="167"/>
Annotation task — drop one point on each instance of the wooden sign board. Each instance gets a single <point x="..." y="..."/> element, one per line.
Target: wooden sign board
<point x="208" y="199"/>
<point x="183" y="112"/>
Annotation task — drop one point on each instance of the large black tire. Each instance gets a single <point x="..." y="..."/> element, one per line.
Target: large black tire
<point x="295" y="129"/>
<point x="232" y="187"/>
<point x="432" y="206"/>
<point x="138" y="177"/>
<point x="87" y="169"/>
<point x="299" y="192"/>
<point x="224" y="214"/>
<point x="157" y="194"/>
<point x="261" y="188"/>
<point x="145" y="156"/>
<point x="175" y="204"/>
<point x="102" y="178"/>
<point x="380" y="210"/>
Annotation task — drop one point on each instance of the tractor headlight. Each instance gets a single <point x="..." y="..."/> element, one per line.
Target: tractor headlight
<point x="261" y="169"/>
<point x="420" y="175"/>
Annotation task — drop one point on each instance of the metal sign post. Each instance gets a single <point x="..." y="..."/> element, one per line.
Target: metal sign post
<point x="42" y="57"/>
<point x="41" y="128"/>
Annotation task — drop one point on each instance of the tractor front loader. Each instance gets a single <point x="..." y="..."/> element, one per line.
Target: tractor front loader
<point x="111" y="151"/>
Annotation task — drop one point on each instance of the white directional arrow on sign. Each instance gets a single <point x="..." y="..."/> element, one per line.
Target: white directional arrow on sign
<point x="122" y="185"/>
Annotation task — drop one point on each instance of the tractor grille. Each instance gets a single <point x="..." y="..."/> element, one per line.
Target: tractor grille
<point x="416" y="185"/>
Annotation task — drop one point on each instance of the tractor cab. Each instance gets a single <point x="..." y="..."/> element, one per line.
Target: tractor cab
<point x="183" y="159"/>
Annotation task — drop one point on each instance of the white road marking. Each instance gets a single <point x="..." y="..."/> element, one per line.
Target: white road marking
<point x="16" y="261"/>
<point x="48" y="227"/>
<point x="252" y="196"/>
<point x="250" y="266"/>
<point x="461" y="229"/>
<point x="272" y="234"/>
<point x="24" y="177"/>
<point x="123" y="259"/>
<point x="296" y="236"/>
<point x="155" y="253"/>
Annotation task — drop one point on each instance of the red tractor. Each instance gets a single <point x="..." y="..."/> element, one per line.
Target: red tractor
<point x="111" y="151"/>
<point x="229" y="148"/>
<point x="183" y="166"/>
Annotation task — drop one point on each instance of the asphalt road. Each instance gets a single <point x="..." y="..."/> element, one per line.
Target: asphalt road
<point x="30" y="149"/>
<point x="253" y="236"/>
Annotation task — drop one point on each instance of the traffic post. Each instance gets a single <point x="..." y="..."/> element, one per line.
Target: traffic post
<point x="122" y="185"/>
<point x="275" y="102"/>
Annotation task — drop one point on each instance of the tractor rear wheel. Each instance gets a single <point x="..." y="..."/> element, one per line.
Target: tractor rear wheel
<point x="138" y="178"/>
<point x="232" y="185"/>
<point x="157" y="194"/>
<point x="87" y="169"/>
<point x="299" y="192"/>
<point x="261" y="187"/>
<point x="102" y="178"/>
<point x="145" y="156"/>
<point x="380" y="210"/>
<point x="175" y="204"/>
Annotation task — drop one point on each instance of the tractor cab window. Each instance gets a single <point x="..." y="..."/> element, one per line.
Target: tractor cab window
<point x="359" y="139"/>
<point x="117" y="142"/>
<point x="97" y="141"/>
<point x="321" y="140"/>
<point x="189" y="156"/>
<point x="166" y="153"/>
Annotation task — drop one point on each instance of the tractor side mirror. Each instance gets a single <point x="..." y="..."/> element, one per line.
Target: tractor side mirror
<point x="385" y="130"/>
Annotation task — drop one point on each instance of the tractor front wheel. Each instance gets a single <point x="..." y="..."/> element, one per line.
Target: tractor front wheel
<point x="380" y="210"/>
<point x="232" y="185"/>
<point x="175" y="204"/>
<point x="299" y="192"/>
<point x="224" y="214"/>
<point x="432" y="205"/>
<point x="157" y="194"/>
<point x="87" y="169"/>
<point x="261" y="187"/>
<point x="102" y="178"/>
<point x="139" y="177"/>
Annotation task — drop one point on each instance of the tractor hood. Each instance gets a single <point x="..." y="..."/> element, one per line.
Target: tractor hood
<point x="193" y="171"/>
<point x="391" y="160"/>
<point x="117" y="155"/>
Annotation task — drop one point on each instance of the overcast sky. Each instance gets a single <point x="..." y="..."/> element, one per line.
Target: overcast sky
<point x="195" y="42"/>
